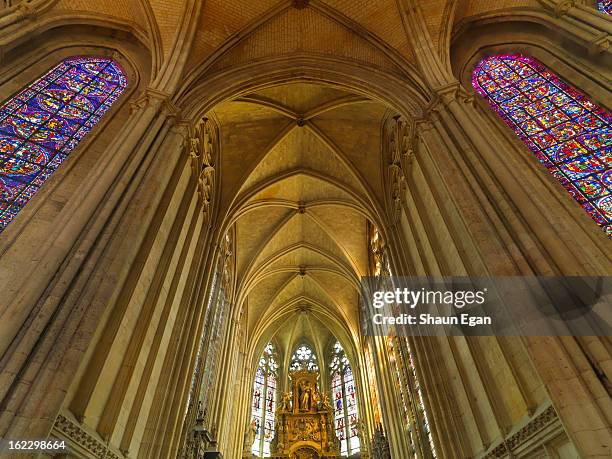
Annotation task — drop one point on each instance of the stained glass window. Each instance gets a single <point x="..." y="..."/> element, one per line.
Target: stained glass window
<point x="338" y="398"/>
<point x="346" y="417"/>
<point x="568" y="133"/>
<point x="257" y="408"/>
<point x="43" y="124"/>
<point x="303" y="359"/>
<point x="263" y="404"/>
<point x="605" y="6"/>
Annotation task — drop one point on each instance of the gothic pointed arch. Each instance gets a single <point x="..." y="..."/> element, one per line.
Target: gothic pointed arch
<point x="344" y="399"/>
<point x="567" y="132"/>
<point x="263" y="406"/>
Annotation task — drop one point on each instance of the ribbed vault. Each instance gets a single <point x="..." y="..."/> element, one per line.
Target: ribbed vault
<point x="300" y="179"/>
<point x="228" y="33"/>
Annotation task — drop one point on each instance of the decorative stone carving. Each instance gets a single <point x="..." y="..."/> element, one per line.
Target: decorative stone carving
<point x="601" y="43"/>
<point x="527" y="433"/>
<point x="227" y="249"/>
<point x="304" y="419"/>
<point x="203" y="153"/>
<point x="380" y="256"/>
<point x="563" y="7"/>
<point x="24" y="10"/>
<point x="65" y="428"/>
<point x="153" y="97"/>
<point x="380" y="445"/>
<point x="398" y="144"/>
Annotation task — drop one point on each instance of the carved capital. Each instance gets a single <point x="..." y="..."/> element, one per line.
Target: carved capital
<point x="170" y="110"/>
<point x="150" y="97"/>
<point x="422" y="125"/>
<point x="450" y="92"/>
<point x="563" y="7"/>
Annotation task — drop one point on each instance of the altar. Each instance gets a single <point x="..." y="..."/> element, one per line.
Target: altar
<point x="304" y="422"/>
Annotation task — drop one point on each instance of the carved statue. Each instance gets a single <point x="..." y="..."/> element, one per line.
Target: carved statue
<point x="305" y="398"/>
<point x="304" y="421"/>
<point x="285" y="404"/>
<point x="309" y="429"/>
<point x="249" y="436"/>
<point x="363" y="435"/>
<point x="326" y="403"/>
<point x="316" y="398"/>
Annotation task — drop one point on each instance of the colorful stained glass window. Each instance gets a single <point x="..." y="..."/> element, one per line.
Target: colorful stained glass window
<point x="346" y="418"/>
<point x="338" y="397"/>
<point x="605" y="6"/>
<point x="43" y="124"/>
<point x="567" y="132"/>
<point x="263" y="404"/>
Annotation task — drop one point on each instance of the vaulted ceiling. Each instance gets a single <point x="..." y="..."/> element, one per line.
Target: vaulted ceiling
<point x="300" y="166"/>
<point x="231" y="31"/>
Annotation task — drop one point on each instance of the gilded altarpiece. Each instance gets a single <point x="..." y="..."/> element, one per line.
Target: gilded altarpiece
<point x="304" y="428"/>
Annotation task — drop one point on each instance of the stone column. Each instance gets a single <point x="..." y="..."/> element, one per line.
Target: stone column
<point x="543" y="242"/>
<point x="526" y="205"/>
<point x="390" y="406"/>
<point x="46" y="324"/>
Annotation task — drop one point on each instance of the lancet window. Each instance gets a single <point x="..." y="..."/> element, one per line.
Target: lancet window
<point x="344" y="398"/>
<point x="566" y="131"/>
<point x="42" y="124"/>
<point x="263" y="406"/>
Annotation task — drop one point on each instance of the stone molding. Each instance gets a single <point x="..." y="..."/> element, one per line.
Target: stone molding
<point x="582" y="21"/>
<point x="156" y="98"/>
<point x="545" y="419"/>
<point x="74" y="433"/>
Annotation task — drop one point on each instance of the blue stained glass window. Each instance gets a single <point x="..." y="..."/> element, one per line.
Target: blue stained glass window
<point x="43" y="124"/>
<point x="566" y="131"/>
<point x="605" y="6"/>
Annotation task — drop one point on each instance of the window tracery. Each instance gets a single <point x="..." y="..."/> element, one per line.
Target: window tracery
<point x="42" y="124"/>
<point x="568" y="133"/>
<point x="304" y="359"/>
<point x="263" y="406"/>
<point x="346" y="419"/>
